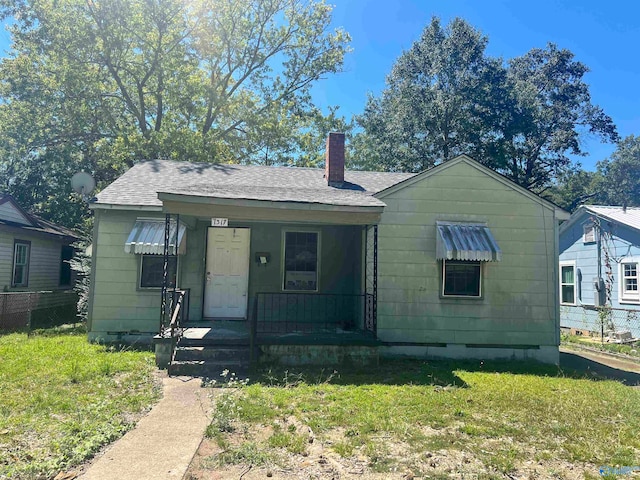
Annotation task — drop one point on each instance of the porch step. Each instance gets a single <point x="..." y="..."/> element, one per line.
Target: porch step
<point x="214" y="342"/>
<point x="210" y="353"/>
<point x="209" y="361"/>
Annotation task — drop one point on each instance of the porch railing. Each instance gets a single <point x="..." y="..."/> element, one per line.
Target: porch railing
<point x="285" y="312"/>
<point x="177" y="312"/>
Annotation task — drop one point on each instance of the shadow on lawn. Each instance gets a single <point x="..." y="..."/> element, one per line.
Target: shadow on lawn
<point x="439" y="373"/>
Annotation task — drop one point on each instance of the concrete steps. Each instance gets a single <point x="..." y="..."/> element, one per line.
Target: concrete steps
<point x="209" y="360"/>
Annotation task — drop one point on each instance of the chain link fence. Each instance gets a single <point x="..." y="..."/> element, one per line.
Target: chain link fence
<point x="617" y="324"/>
<point x="32" y="310"/>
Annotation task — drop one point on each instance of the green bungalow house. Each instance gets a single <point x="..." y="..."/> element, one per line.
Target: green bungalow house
<point x="311" y="265"/>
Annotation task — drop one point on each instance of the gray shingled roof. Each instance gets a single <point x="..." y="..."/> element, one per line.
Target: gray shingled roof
<point x="141" y="184"/>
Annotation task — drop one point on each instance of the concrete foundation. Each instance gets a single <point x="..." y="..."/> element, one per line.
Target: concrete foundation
<point x="164" y="348"/>
<point x="544" y="353"/>
<point x="295" y="355"/>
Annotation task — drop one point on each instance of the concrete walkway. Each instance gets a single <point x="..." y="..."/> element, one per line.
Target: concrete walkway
<point x="163" y="442"/>
<point x="626" y="371"/>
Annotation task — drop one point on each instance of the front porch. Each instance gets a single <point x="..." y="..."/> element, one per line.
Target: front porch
<point x="270" y="287"/>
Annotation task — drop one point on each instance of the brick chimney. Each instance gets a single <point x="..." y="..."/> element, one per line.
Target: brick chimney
<point x="334" y="160"/>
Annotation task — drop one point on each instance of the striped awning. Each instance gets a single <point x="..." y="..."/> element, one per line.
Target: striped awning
<point x="466" y="241"/>
<point x="147" y="237"/>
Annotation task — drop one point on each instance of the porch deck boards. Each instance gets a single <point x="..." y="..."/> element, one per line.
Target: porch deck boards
<point x="237" y="333"/>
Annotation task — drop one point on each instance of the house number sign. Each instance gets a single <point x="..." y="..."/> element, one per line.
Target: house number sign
<point x="219" y="222"/>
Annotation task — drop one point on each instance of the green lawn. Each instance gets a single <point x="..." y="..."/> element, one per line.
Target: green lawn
<point x="62" y="398"/>
<point x="495" y="419"/>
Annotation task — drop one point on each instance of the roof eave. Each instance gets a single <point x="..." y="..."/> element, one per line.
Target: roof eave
<point x="115" y="206"/>
<point x="290" y="205"/>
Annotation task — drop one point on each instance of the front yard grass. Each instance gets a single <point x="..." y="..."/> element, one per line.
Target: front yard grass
<point x="417" y="419"/>
<point x="62" y="398"/>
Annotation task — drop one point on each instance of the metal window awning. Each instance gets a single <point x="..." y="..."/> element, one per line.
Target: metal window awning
<point x="147" y="237"/>
<point x="466" y="241"/>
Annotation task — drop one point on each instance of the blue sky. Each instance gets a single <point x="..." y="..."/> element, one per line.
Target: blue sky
<point x="603" y="35"/>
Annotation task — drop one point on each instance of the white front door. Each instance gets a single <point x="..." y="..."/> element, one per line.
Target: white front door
<point x="227" y="273"/>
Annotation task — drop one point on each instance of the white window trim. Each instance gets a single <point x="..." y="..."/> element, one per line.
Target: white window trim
<point x="628" y="297"/>
<point x="140" y="287"/>
<point x="25" y="282"/>
<point x="569" y="263"/>
<point x="461" y="296"/>
<point x="283" y="265"/>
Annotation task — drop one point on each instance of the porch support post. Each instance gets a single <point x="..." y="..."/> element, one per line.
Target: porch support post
<point x="165" y="272"/>
<point x="375" y="280"/>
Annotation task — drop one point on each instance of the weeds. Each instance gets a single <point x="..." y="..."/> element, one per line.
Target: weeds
<point x="498" y="414"/>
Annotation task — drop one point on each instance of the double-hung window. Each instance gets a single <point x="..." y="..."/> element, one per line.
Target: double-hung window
<point x="461" y="278"/>
<point x="152" y="271"/>
<point x="567" y="283"/>
<point x="629" y="269"/>
<point x="21" y="254"/>
<point x="301" y="261"/>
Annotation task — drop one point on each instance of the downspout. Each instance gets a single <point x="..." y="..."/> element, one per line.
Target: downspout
<point x="556" y="273"/>
<point x="92" y="275"/>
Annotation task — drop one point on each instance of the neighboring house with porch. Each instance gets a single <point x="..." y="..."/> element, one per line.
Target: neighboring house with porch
<point x="456" y="261"/>
<point x="34" y="257"/>
<point x="600" y="265"/>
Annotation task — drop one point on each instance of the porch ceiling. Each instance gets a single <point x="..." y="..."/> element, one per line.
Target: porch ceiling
<point x="270" y="211"/>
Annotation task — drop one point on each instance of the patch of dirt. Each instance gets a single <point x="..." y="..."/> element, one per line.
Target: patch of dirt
<point x="394" y="460"/>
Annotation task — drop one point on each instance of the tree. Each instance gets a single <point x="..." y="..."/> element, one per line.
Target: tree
<point x="574" y="188"/>
<point x="619" y="175"/>
<point x="445" y="97"/>
<point x="100" y="85"/>
<point x="552" y="109"/>
<point x="437" y="101"/>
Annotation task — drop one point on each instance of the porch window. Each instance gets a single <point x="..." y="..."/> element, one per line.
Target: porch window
<point x="568" y="284"/>
<point x="629" y="281"/>
<point x="461" y="278"/>
<point x="21" y="254"/>
<point x="301" y="261"/>
<point x="151" y="271"/>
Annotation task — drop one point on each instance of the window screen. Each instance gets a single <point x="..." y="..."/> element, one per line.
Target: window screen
<point x="461" y="278"/>
<point x="152" y="271"/>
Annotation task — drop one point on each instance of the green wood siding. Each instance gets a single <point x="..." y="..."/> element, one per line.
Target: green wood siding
<point x="118" y="304"/>
<point x="518" y="293"/>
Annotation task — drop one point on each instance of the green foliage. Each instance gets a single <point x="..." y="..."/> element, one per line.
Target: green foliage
<point x="446" y="97"/>
<point x="81" y="264"/>
<point x="619" y="176"/>
<point x="101" y="85"/>
<point x="62" y="399"/>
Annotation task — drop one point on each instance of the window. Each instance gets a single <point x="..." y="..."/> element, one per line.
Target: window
<point x="568" y="283"/>
<point x="65" y="267"/>
<point x="151" y="271"/>
<point x="629" y="281"/>
<point x="21" y="253"/>
<point x="589" y="233"/>
<point x="461" y="278"/>
<point x="301" y="261"/>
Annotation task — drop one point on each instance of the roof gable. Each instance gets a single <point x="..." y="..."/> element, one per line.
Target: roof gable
<point x="10" y="211"/>
<point x="561" y="214"/>
<point x="629" y="217"/>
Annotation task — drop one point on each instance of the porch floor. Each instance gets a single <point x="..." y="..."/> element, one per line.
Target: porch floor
<point x="238" y="333"/>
